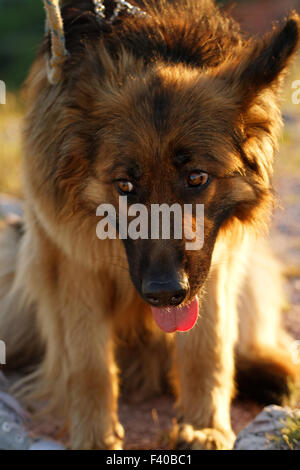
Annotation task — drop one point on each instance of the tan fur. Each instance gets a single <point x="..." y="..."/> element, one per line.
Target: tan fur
<point x="95" y="332"/>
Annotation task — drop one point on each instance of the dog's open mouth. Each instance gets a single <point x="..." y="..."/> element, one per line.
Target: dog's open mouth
<point x="176" y="318"/>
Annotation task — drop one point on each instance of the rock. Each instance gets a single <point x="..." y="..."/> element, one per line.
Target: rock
<point x="10" y="206"/>
<point x="275" y="428"/>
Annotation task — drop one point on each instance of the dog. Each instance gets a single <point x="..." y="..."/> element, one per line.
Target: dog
<point x="175" y="105"/>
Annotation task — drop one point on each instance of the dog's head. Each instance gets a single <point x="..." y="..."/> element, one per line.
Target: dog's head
<point x="175" y="134"/>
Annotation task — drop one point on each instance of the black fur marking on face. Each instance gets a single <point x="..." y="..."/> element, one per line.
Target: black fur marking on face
<point x="181" y="157"/>
<point x="161" y="104"/>
<point x="126" y="168"/>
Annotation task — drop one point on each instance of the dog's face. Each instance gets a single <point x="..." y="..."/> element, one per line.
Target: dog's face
<point x="171" y="134"/>
<point x="171" y="140"/>
<point x="174" y="135"/>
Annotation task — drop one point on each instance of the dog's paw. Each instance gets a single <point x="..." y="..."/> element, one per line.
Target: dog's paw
<point x="114" y="441"/>
<point x="94" y="439"/>
<point x="186" y="437"/>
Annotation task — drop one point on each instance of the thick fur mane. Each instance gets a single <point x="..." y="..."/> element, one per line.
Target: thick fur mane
<point x="192" y="32"/>
<point x="182" y="46"/>
<point x="191" y="36"/>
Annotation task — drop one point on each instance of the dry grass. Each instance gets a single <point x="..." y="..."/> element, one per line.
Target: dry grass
<point x="288" y="160"/>
<point x="10" y="146"/>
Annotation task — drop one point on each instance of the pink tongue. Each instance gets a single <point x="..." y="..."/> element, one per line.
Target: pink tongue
<point x="176" y="318"/>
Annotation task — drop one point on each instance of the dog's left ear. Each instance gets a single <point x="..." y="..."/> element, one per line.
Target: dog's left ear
<point x="265" y="62"/>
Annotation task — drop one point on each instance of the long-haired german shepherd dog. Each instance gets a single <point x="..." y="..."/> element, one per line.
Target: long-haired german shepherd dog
<point x="175" y="106"/>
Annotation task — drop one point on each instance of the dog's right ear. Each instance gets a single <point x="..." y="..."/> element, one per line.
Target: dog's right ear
<point x="264" y="63"/>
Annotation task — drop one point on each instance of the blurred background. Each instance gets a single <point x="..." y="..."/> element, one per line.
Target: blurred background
<point x="21" y="29"/>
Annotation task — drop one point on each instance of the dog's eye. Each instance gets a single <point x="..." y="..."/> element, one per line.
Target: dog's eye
<point x="125" y="187"/>
<point x="198" y="178"/>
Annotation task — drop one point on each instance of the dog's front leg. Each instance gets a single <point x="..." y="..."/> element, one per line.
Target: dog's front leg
<point x="92" y="384"/>
<point x="204" y="372"/>
<point x="78" y="376"/>
<point x="80" y="355"/>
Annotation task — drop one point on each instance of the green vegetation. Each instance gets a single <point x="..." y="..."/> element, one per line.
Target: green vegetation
<point x="289" y="435"/>
<point x="291" y="432"/>
<point x="21" y="29"/>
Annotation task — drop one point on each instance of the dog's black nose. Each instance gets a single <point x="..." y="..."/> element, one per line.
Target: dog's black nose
<point x="164" y="293"/>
